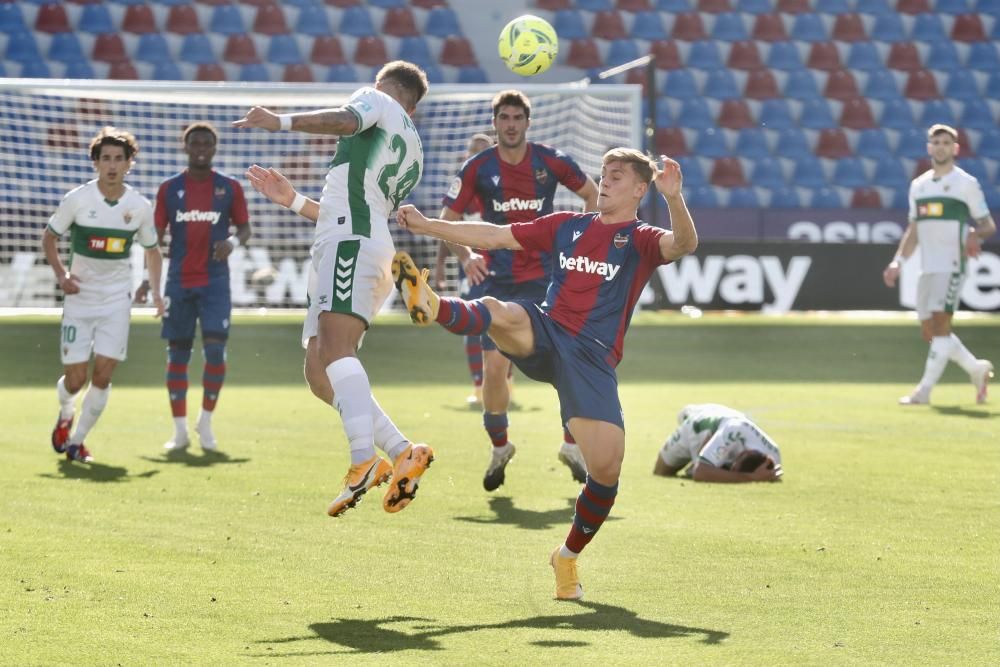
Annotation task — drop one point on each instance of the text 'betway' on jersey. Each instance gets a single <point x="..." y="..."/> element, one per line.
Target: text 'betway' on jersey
<point x="198" y="216"/>
<point x="517" y="204"/>
<point x="587" y="265"/>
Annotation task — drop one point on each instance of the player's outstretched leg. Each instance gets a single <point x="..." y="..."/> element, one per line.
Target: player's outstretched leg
<point x="407" y="470"/>
<point x="420" y="300"/>
<point x="981" y="378"/>
<point x="359" y="479"/>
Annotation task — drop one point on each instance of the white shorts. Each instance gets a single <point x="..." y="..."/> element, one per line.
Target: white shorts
<point x="348" y="275"/>
<point x="938" y="293"/>
<point x="104" y="333"/>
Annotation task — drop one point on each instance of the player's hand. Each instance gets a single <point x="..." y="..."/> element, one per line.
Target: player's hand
<point x="891" y="274"/>
<point x="69" y="283"/>
<point x="409" y="217"/>
<point x="141" y="292"/>
<point x="272" y="184"/>
<point x="158" y="304"/>
<point x="475" y="268"/>
<point x="221" y="250"/>
<point x="973" y="245"/>
<point x="260" y="117"/>
<point x="669" y="180"/>
<point x="439" y="282"/>
<point x="767" y="472"/>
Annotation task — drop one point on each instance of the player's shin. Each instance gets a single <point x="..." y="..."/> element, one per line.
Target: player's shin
<point x="352" y="396"/>
<point x="93" y="405"/>
<point x="466" y="318"/>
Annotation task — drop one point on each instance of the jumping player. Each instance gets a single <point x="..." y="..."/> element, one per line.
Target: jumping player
<point x="574" y="340"/>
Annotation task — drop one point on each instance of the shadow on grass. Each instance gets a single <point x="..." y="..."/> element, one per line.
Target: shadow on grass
<point x="478" y="407"/>
<point x="185" y="457"/>
<point x="959" y="411"/>
<point x="505" y="514"/>
<point x="374" y="635"/>
<point x="95" y="472"/>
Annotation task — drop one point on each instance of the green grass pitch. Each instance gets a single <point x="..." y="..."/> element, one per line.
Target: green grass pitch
<point x="879" y="548"/>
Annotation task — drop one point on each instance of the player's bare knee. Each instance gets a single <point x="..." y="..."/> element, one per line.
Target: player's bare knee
<point x="75" y="378"/>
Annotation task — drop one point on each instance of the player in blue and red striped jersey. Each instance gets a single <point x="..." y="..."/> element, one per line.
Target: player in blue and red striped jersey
<point x="574" y="340"/>
<point x="515" y="181"/>
<point x="197" y="207"/>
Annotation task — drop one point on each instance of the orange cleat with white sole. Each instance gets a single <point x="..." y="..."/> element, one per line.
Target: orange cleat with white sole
<point x="407" y="470"/>
<point x="360" y="478"/>
<point x="567" y="580"/>
<point x="421" y="302"/>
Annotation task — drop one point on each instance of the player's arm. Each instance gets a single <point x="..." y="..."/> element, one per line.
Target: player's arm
<point x="272" y="184"/>
<point x="154" y="265"/>
<point x="982" y="229"/>
<point x="588" y="193"/>
<point x="663" y="469"/>
<point x="682" y="239"/>
<point x="907" y="245"/>
<point x="707" y="472"/>
<point x="68" y="283"/>
<point x="340" y="121"/>
<point x="473" y="234"/>
<point x="472" y="262"/>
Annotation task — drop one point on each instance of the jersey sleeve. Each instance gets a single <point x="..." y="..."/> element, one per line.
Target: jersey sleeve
<point x="146" y="234"/>
<point x="238" y="214"/>
<point x="647" y="242"/>
<point x="566" y="169"/>
<point x="540" y="233"/>
<point x="462" y="192"/>
<point x="722" y="447"/>
<point x="368" y="105"/>
<point x="64" y="215"/>
<point x="976" y="200"/>
<point x="160" y="213"/>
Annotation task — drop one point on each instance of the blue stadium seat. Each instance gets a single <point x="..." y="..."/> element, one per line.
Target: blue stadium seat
<point x="342" y="73"/>
<point x="952" y="6"/>
<point x="435" y="74"/>
<point x="313" y="21"/>
<point x="96" y="20"/>
<point x="784" y="197"/>
<point x="992" y="85"/>
<point x="387" y="4"/>
<point x="881" y="85"/>
<point x="992" y="198"/>
<point x="784" y="55"/>
<point x="942" y="56"/>
<point x="152" y="48"/>
<point x="850" y="173"/>
<point x="991" y="7"/>
<point x="284" y="50"/>
<point x="754" y="6"/>
<point x="890" y="173"/>
<point x="863" y="56"/>
<point x="767" y="173"/>
<point x="937" y="111"/>
<point x="873" y="143"/>
<point x="962" y="85"/>
<point x="254" y="72"/>
<point x="356" y="21"/>
<point x="65" y="48"/>
<point x="680" y="83"/>
<point x="977" y="115"/>
<point x="775" y="114"/>
<point x="442" y="22"/>
<point x="833" y="7"/>
<point x="900" y="198"/>
<point x="79" y="69"/>
<point x="11" y="20"/>
<point x="167" y="70"/>
<point x="472" y="74"/>
<point x="22" y="48"/>
<point x="826" y="197"/>
<point x="701" y="196"/>
<point x="595" y="5"/>
<point x="977" y="167"/>
<point x="695" y="114"/>
<point x="928" y="28"/>
<point x="809" y="28"/>
<point x="645" y="25"/>
<point x="710" y="142"/>
<point x="816" y="114"/>
<point x="983" y="57"/>
<point x="721" y="85"/>
<point x="729" y="27"/>
<point x="664" y="116"/>
<point x="887" y="28"/>
<point x="417" y="51"/>
<point x="912" y="143"/>
<point x="989" y="143"/>
<point x="704" y="55"/>
<point x="808" y="172"/>
<point x="801" y="85"/>
<point x="621" y="51"/>
<point x="743" y="198"/>
<point x="226" y="20"/>
<point x="751" y="143"/>
<point x="877" y="7"/>
<point x="35" y="69"/>
<point x="691" y="168"/>
<point x="195" y="48"/>
<point x="792" y="143"/>
<point x="570" y="24"/>
<point x="896" y="115"/>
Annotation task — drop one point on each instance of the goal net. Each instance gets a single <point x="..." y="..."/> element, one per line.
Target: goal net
<point x="48" y="124"/>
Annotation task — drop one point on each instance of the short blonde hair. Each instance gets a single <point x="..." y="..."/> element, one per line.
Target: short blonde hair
<point x="641" y="163"/>
<point x="941" y="128"/>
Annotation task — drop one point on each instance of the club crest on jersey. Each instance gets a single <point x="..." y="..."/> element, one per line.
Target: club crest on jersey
<point x="127" y="217"/>
<point x="620" y="240"/>
<point x="541" y="176"/>
<point x="180" y="194"/>
<point x="220" y="192"/>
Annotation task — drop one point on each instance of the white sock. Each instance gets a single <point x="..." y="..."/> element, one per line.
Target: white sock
<point x="180" y="428"/>
<point x="90" y="411"/>
<point x="387" y="436"/>
<point x="961" y="355"/>
<point x="352" y="396"/>
<point x="937" y="359"/>
<point x="66" y="399"/>
<point x="566" y="553"/>
<point x="204" y="419"/>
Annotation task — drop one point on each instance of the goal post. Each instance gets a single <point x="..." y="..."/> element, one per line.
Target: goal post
<point x="49" y="123"/>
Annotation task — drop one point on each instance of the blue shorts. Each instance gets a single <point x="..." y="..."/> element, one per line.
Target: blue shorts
<point x="577" y="367"/>
<point x="531" y="292"/>
<point x="211" y="305"/>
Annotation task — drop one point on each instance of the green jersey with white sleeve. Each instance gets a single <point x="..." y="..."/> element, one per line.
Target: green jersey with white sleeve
<point x="942" y="208"/>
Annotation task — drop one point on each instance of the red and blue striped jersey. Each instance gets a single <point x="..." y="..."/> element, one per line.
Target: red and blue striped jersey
<point x="511" y="193"/>
<point x="198" y="212"/>
<point x="598" y="272"/>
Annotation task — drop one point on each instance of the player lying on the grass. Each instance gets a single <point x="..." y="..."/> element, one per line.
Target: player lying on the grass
<point x="942" y="200"/>
<point x="103" y="217"/>
<point x="721" y="445"/>
<point x="379" y="161"/>
<point x="574" y="339"/>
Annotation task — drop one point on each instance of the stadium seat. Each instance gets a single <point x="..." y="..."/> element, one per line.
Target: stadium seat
<point x="51" y="18"/>
<point x="887" y="28"/>
<point x="872" y="143"/>
<point x="720" y="85"/>
<point x="388" y="4"/>
<point x="673" y="6"/>
<point x="210" y="72"/>
<point x="254" y="72"/>
<point x="691" y="168"/>
<point x="992" y="90"/>
<point x="79" y="69"/>
<point x="472" y="74"/>
<point x="96" y="20"/>
<point x="370" y="51"/>
<point x="35" y="69"/>
<point x="727" y="172"/>
<point x="109" y="48"/>
<point x="344" y="4"/>
<point x="767" y="172"/>
<point x="952" y="6"/>
<point x="753" y="6"/>
<point x="689" y="28"/>
<point x="783" y="197"/>
<point x="298" y="73"/>
<point x="704" y="55"/>
<point x="965" y="141"/>
<point x="942" y="56"/>
<point x="849" y="173"/>
<point x="989" y="7"/>
<point x="937" y="111"/>
<point x="341" y="73"/>
<point x="645" y="25"/>
<point x="356" y="22"/>
<point x="65" y="48"/>
<point x="710" y="142"/>
<point x="832" y="143"/>
<point x="123" y="71"/>
<point x="547" y="5"/>
<point x="152" y="48"/>
<point x="849" y="28"/>
<point x="912" y="143"/>
<point x="826" y="197"/>
<point x="695" y="114"/>
<point x="927" y="28"/>
<point x="415" y="50"/>
<point x="622" y="51"/>
<point x="633" y="6"/>
<point x="769" y="28"/>
<point x="744" y="197"/>
<point x="713" y="6"/>
<point x="609" y="26"/>
<point x="735" y="115"/>
<point x="458" y="52"/>
<point x="196" y="49"/>
<point x="816" y="114"/>
<point x="751" y="143"/>
<point x="792" y="143"/>
<point x="896" y="115"/>
<point x="313" y="21"/>
<point x="667" y="54"/>
<point x="775" y="115"/>
<point x="824" y="56"/>
<point x="865" y="197"/>
<point x="840" y="85"/>
<point x="583" y="53"/>
<point x="983" y="57"/>
<point x="570" y="24"/>
<point x="890" y="173"/>
<point x="442" y="22"/>
<point x="226" y="20"/>
<point x="284" y="50"/>
<point x="761" y="85"/>
<point x="670" y="141"/>
<point x="904" y="56"/>
<point x="992" y="198"/>
<point x="784" y="56"/>
<point x="182" y="20"/>
<point x="808" y="28"/>
<point x="968" y="28"/>
<point x="701" y="196"/>
<point x="744" y="56"/>
<point x="808" y="172"/>
<point x="240" y="49"/>
<point x="864" y="56"/>
<point x="680" y="83"/>
<point x="977" y="115"/>
<point x="139" y="20"/>
<point x="792" y="6"/>
<point x="913" y="6"/>
<point x="270" y="20"/>
<point x="835" y="7"/>
<point x="801" y="85"/>
<point x="856" y="114"/>
<point x="595" y="5"/>
<point x="921" y="85"/>
<point x="880" y="85"/>
<point x="729" y="27"/>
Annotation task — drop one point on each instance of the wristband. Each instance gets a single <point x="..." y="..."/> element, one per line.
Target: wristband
<point x="284" y="122"/>
<point x="234" y="241"/>
<point x="298" y="203"/>
<point x="898" y="259"/>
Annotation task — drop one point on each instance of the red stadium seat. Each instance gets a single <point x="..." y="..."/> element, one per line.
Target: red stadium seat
<point x="857" y="115"/>
<point x="745" y="56"/>
<point x="728" y="172"/>
<point x="633" y="5"/>
<point x="714" y="6"/>
<point x="761" y="85"/>
<point x="769" y="28"/>
<point x="667" y="55"/>
<point x="968" y="28"/>
<point x="840" y="85"/>
<point x="583" y="53"/>
<point x="689" y="28"/>
<point x="637" y="75"/>
<point x="832" y="143"/>
<point x="793" y="7"/>
<point x="912" y="6"/>
<point x="735" y="115"/>
<point x="399" y="22"/>
<point x="371" y="51"/>
<point x="670" y="141"/>
<point x="109" y="48"/>
<point x="921" y="85"/>
<point x="922" y="165"/>
<point x="298" y="73"/>
<point x="210" y="72"/>
<point x="182" y="20"/>
<point x="93" y="111"/>
<point x="965" y="144"/>
<point x="270" y="20"/>
<point x="139" y="20"/>
<point x="848" y="28"/>
<point x="52" y="19"/>
<point x="327" y="50"/>
<point x="240" y="49"/>
<point x="609" y="25"/>
<point x="457" y="52"/>
<point x="123" y="71"/>
<point x="825" y="56"/>
<point x="866" y="198"/>
<point x="903" y="56"/>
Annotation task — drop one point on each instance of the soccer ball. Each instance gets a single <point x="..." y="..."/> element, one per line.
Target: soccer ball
<point x="528" y="45"/>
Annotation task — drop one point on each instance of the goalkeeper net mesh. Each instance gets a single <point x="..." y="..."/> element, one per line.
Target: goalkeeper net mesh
<point x="48" y="126"/>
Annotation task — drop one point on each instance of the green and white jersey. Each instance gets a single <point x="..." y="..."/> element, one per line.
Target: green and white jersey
<point x="697" y="423"/>
<point x="373" y="171"/>
<point x="101" y="236"/>
<point x="942" y="208"/>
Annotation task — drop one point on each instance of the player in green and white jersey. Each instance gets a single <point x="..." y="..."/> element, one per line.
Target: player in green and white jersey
<point x="942" y="202"/>
<point x="378" y="162"/>
<point x="721" y="444"/>
<point x="103" y="217"/>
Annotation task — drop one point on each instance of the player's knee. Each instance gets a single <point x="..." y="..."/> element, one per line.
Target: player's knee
<point x="75" y="379"/>
<point x="215" y="352"/>
<point x="179" y="351"/>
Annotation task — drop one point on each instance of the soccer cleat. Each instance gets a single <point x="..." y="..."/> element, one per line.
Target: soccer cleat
<point x="496" y="472"/>
<point x="572" y="458"/>
<point x="406" y="472"/>
<point x="177" y="444"/>
<point x="981" y="378"/>
<point x="918" y="397"/>
<point x="359" y="479"/>
<point x="420" y="300"/>
<point x="207" y="438"/>
<point x="60" y="434"/>
<point x="78" y="453"/>
<point x="567" y="580"/>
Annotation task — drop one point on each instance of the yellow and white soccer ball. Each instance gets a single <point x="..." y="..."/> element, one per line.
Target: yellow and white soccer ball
<point x="528" y="45"/>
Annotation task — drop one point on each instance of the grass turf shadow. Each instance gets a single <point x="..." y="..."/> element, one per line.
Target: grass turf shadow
<point x="506" y="514"/>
